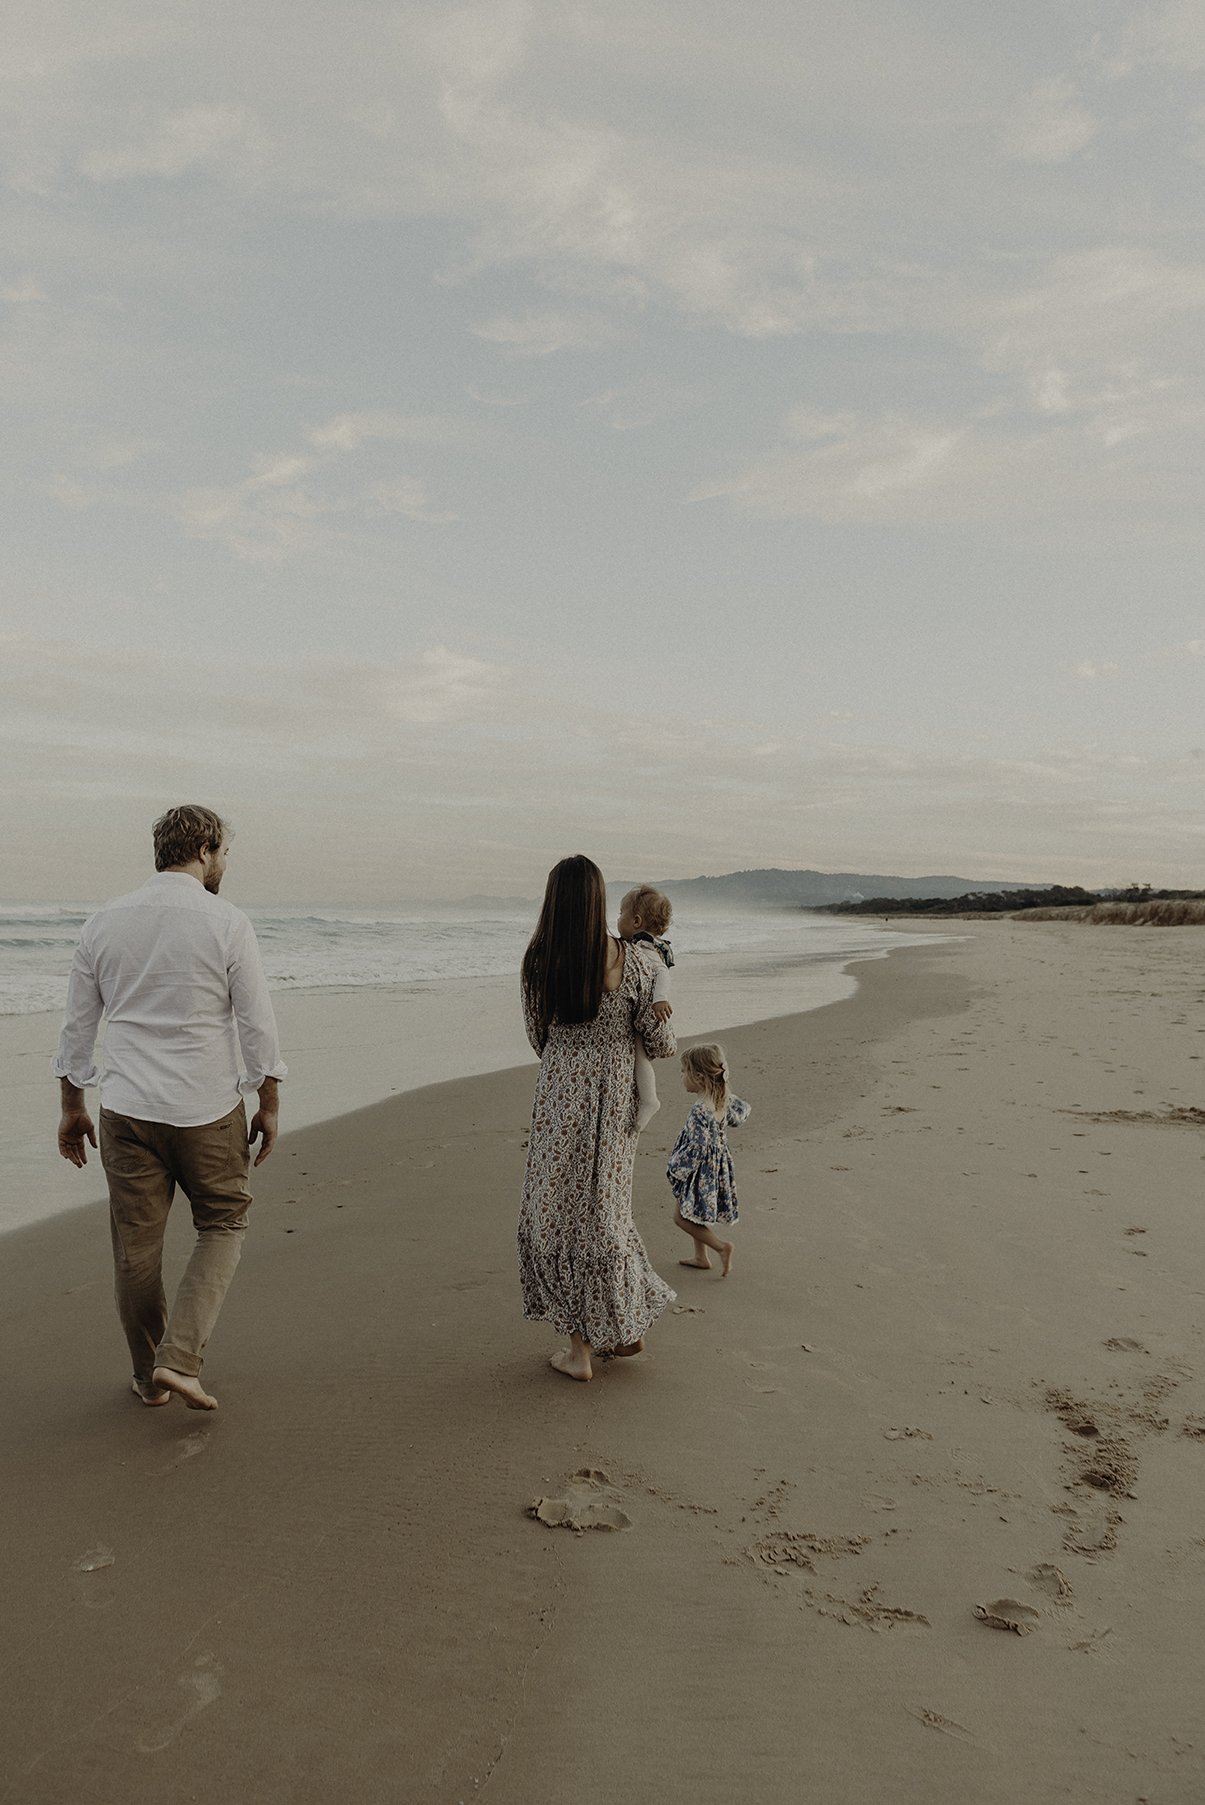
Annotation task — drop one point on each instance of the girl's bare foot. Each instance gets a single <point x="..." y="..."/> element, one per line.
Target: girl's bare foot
<point x="726" y="1259"/>
<point x="633" y="1347"/>
<point x="567" y="1360"/>
<point x="704" y="1265"/>
<point x="190" y="1389"/>
<point x="150" y="1393"/>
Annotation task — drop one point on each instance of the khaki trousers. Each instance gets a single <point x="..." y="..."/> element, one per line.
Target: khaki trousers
<point x="144" y="1162"/>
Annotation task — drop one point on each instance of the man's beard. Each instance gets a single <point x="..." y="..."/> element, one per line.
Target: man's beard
<point x="212" y="882"/>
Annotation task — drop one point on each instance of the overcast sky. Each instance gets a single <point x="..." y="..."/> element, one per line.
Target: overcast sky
<point x="696" y="434"/>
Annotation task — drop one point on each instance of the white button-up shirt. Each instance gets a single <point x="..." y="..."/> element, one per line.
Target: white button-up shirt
<point x="175" y="972"/>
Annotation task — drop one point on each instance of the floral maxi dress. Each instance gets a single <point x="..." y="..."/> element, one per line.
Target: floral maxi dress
<point x="582" y="1264"/>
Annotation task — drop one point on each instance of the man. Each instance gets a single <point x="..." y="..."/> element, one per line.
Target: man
<point x="175" y="971"/>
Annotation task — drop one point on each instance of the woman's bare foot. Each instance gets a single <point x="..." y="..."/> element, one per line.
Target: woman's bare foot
<point x="726" y="1259"/>
<point x="150" y="1393"/>
<point x="633" y="1347"/>
<point x="190" y="1389"/>
<point x="574" y="1365"/>
<point x="704" y="1265"/>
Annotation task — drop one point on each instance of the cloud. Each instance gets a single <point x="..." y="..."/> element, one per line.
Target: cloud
<point x="24" y="292"/>
<point x="1093" y="669"/>
<point x="348" y="432"/>
<point x="407" y="495"/>
<point x="545" y="331"/>
<point x="1169" y="35"/>
<point x="632" y="406"/>
<point x="280" y="508"/>
<point x="445" y="686"/>
<point x="220" y="137"/>
<point x="1051" y="125"/>
<point x="843" y="467"/>
<point x="442" y="767"/>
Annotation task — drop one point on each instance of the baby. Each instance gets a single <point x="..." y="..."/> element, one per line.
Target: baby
<point x="644" y="915"/>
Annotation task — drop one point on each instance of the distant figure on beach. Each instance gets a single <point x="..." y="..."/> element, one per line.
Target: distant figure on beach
<point x="700" y="1165"/>
<point x="587" y="1004"/>
<point x="644" y="915"/>
<point x="176" y="973"/>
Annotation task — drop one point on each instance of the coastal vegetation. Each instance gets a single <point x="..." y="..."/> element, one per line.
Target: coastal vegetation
<point x="1136" y="905"/>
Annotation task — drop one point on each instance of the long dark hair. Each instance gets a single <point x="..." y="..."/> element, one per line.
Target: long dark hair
<point x="566" y="957"/>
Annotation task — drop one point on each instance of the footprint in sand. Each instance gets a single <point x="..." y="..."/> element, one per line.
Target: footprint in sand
<point x="93" y="1580"/>
<point x="588" y="1501"/>
<point x="94" y="1559"/>
<point x="187" y="1448"/>
<point x="688" y="1310"/>
<point x="867" y="1611"/>
<point x="1051" y="1580"/>
<point x="201" y="1686"/>
<point x="946" y="1726"/>
<point x="1090" y="1532"/>
<point x="1008" y="1614"/>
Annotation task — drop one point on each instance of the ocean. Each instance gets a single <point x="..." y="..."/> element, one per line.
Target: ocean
<point x="312" y="948"/>
<point x="375" y="1000"/>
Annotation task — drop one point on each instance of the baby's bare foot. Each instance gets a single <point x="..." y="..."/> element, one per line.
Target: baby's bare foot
<point x="190" y="1389"/>
<point x="704" y="1265"/>
<point x="574" y="1366"/>
<point x="726" y="1259"/>
<point x="150" y="1393"/>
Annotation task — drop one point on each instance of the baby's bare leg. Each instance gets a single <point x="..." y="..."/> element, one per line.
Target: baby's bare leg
<point x="647" y="1100"/>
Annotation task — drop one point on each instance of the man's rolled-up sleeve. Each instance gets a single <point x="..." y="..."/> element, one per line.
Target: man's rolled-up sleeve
<point x="75" y="1058"/>
<point x="253" y="1012"/>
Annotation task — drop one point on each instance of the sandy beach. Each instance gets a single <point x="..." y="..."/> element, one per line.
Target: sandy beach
<point x="958" y="1367"/>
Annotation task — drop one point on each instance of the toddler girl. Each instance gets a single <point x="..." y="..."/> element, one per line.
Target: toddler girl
<point x="644" y="915"/>
<point x="700" y="1165"/>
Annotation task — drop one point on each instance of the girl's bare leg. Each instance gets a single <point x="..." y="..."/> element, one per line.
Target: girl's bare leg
<point x="574" y="1361"/>
<point x="703" y="1238"/>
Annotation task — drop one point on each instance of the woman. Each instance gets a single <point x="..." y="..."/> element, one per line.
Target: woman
<point x="587" y="997"/>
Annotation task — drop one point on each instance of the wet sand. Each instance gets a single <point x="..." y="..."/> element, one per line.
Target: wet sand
<point x="959" y="1365"/>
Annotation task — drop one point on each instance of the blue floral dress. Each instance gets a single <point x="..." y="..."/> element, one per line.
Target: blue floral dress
<point x="700" y="1165"/>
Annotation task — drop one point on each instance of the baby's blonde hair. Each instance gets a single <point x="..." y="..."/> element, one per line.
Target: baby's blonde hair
<point x="710" y="1066"/>
<point x="653" y="908"/>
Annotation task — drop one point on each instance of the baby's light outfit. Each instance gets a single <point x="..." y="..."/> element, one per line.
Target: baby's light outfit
<point x="661" y="957"/>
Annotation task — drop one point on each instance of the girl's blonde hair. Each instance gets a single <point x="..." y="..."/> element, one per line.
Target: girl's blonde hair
<point x="709" y="1066"/>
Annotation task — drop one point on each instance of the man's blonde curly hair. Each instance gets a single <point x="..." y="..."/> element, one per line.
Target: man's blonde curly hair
<point x="180" y="834"/>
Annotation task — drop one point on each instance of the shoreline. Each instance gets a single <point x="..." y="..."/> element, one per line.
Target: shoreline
<point x="970" y="1234"/>
<point x="351" y="1047"/>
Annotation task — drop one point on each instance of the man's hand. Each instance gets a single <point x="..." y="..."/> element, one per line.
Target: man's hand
<point x="263" y="1128"/>
<point x="265" y="1120"/>
<point x="663" y="1011"/>
<point x="75" y="1131"/>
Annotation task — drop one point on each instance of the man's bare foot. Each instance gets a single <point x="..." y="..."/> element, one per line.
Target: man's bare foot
<point x="726" y="1259"/>
<point x="633" y="1347"/>
<point x="150" y="1393"/>
<point x="573" y="1365"/>
<point x="704" y="1265"/>
<point x="190" y="1389"/>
